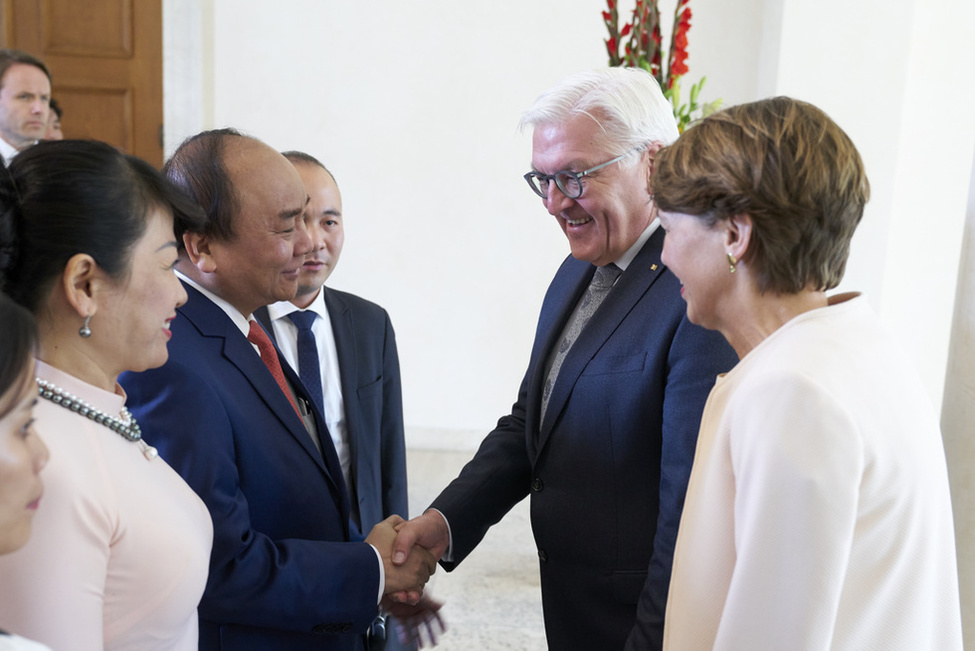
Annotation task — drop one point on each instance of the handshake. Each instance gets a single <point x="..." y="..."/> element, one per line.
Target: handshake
<point x="410" y="551"/>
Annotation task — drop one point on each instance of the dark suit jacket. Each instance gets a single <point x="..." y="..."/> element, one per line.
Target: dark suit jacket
<point x="371" y="392"/>
<point x="608" y="468"/>
<point x="282" y="573"/>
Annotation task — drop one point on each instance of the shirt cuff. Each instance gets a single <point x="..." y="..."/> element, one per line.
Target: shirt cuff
<point x="382" y="574"/>
<point x="449" y="554"/>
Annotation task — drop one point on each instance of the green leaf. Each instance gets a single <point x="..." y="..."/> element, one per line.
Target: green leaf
<point x="711" y="107"/>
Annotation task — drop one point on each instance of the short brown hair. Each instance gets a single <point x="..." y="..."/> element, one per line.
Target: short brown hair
<point x="9" y="57"/>
<point x="788" y="166"/>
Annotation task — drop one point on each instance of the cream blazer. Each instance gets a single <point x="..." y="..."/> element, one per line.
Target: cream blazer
<point x="818" y="514"/>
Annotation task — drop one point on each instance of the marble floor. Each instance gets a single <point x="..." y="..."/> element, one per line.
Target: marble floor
<point x="492" y="600"/>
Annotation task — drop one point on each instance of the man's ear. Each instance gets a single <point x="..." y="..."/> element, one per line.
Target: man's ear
<point x="83" y="281"/>
<point x="198" y="251"/>
<point x="738" y="235"/>
<point x="651" y="154"/>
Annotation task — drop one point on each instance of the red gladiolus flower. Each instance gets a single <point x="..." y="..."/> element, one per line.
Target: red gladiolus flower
<point x="678" y="67"/>
<point x="626" y="30"/>
<point x="607" y="16"/>
<point x="611" y="45"/>
<point x="611" y="4"/>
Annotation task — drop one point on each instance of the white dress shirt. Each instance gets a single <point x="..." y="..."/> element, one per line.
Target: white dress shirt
<point x="286" y="334"/>
<point x="8" y="151"/>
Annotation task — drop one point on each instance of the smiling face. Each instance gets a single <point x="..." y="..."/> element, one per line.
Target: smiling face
<point x="261" y="263"/>
<point x="22" y="457"/>
<point x="131" y="325"/>
<point x="695" y="253"/>
<point x="24" y="95"/>
<point x="615" y="207"/>
<point x="323" y="221"/>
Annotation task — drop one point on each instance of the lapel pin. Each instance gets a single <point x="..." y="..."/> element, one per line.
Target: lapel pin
<point x="653" y="267"/>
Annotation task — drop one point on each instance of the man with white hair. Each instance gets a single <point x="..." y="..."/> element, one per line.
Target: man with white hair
<point x="603" y="432"/>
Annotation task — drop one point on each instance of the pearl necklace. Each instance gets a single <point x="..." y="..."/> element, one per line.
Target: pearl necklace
<point x="126" y="428"/>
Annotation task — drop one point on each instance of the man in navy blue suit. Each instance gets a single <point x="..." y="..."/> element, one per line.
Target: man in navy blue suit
<point x="235" y="421"/>
<point x="603" y="432"/>
<point x="344" y="349"/>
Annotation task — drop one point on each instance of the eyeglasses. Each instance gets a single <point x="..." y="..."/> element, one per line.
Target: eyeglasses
<point x="568" y="182"/>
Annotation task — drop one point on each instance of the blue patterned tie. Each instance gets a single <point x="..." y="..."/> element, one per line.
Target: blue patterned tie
<point x="308" y="365"/>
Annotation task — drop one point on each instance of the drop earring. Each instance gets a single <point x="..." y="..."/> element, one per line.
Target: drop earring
<point x="84" y="330"/>
<point x="732" y="261"/>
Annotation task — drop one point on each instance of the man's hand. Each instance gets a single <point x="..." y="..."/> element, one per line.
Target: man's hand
<point x="412" y="573"/>
<point x="428" y="531"/>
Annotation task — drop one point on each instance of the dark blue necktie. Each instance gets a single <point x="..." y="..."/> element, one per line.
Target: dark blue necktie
<point x="308" y="366"/>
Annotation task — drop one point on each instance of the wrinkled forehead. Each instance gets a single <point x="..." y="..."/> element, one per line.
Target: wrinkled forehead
<point x="572" y="143"/>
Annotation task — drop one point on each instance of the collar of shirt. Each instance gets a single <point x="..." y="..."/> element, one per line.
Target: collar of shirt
<point x="281" y="309"/>
<point x="631" y="252"/>
<point x="241" y="321"/>
<point x="7" y="150"/>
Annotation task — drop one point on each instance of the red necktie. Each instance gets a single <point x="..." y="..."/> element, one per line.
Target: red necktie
<point x="269" y="356"/>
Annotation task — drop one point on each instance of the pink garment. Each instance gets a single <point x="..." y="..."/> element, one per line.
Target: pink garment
<point x="119" y="553"/>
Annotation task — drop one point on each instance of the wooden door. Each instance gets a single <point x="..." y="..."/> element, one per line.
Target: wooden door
<point x="106" y="60"/>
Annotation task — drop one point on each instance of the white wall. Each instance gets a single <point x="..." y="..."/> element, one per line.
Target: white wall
<point x="894" y="74"/>
<point x="414" y="107"/>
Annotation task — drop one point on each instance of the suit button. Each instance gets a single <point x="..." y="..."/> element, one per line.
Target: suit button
<point x="537" y="485"/>
<point x="542" y="556"/>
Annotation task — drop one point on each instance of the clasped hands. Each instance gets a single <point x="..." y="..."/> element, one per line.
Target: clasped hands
<point x="410" y="551"/>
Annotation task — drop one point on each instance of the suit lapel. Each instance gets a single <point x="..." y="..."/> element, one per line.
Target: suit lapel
<point x="343" y="329"/>
<point x="211" y="321"/>
<point x="552" y="322"/>
<point x="629" y="289"/>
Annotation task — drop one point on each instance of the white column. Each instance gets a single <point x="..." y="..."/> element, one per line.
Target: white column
<point x="958" y="420"/>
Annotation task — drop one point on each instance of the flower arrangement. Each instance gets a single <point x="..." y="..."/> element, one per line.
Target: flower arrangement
<point x="644" y="49"/>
